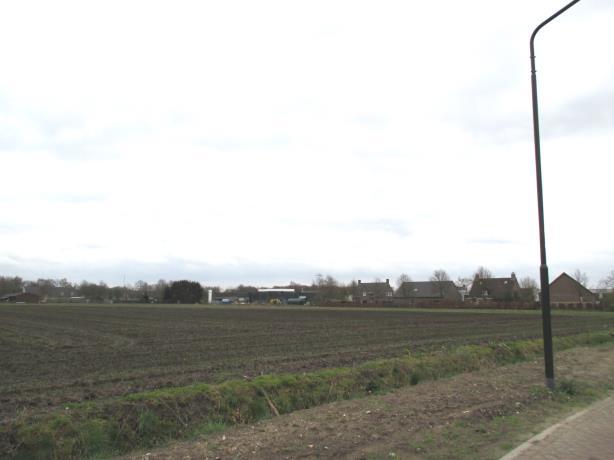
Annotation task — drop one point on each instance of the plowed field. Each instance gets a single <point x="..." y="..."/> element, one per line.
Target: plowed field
<point x="54" y="354"/>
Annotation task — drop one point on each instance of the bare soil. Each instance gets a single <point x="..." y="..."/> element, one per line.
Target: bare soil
<point x="389" y="426"/>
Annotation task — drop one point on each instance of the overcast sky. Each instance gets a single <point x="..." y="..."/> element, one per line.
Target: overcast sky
<point x="262" y="142"/>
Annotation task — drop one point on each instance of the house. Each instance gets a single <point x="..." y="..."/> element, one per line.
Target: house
<point x="566" y="290"/>
<point x="373" y="292"/>
<point x="429" y="290"/>
<point x="502" y="289"/>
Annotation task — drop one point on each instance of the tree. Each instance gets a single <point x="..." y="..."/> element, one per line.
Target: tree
<point x="92" y="291"/>
<point x="482" y="272"/>
<point x="328" y="288"/>
<point x="64" y="283"/>
<point x="183" y="291"/>
<point x="527" y="283"/>
<point x="403" y="278"/>
<point x="159" y="289"/>
<point x="580" y="277"/>
<point x="608" y="281"/>
<point x="440" y="278"/>
<point x="530" y="286"/>
<point x="10" y="285"/>
<point x="403" y="289"/>
<point x="440" y="275"/>
<point x="142" y="290"/>
<point x="116" y="293"/>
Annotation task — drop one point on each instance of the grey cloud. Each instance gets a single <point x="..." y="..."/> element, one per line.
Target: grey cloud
<point x="593" y="112"/>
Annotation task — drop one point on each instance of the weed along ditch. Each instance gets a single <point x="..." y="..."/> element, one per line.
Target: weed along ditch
<point x="169" y="379"/>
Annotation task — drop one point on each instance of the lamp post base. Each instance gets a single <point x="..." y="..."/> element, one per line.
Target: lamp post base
<point x="550" y="383"/>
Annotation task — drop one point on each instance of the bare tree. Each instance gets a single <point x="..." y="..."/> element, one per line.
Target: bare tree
<point x="328" y="287"/>
<point x="580" y="277"/>
<point x="527" y="283"/>
<point x="482" y="272"/>
<point x="530" y="286"/>
<point x="403" y="278"/>
<point x="608" y="281"/>
<point x="440" y="277"/>
<point x="10" y="285"/>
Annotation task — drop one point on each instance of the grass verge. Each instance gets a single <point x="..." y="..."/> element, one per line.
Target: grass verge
<point x="491" y="438"/>
<point x="148" y="419"/>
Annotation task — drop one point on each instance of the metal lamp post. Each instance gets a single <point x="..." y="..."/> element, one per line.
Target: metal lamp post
<point x="543" y="269"/>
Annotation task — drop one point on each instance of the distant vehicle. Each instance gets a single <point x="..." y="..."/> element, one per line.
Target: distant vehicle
<point x="226" y="301"/>
<point x="300" y="300"/>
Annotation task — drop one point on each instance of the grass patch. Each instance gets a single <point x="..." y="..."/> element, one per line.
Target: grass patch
<point x="478" y="438"/>
<point x="148" y="419"/>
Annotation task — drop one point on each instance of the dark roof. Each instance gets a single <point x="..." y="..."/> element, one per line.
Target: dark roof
<point x="375" y="287"/>
<point x="428" y="289"/>
<point x="581" y="288"/>
<point x="20" y="296"/>
<point x="8" y="296"/>
<point x="495" y="288"/>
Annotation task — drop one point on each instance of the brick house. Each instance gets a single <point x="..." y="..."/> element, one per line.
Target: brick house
<point x="502" y="289"/>
<point x="373" y="292"/>
<point x="566" y="290"/>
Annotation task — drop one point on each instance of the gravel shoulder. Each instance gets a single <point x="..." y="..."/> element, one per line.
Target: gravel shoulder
<point x="481" y="414"/>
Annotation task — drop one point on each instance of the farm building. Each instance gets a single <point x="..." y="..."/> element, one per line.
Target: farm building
<point x="21" y="297"/>
<point x="275" y="295"/>
<point x="429" y="290"/>
<point x="566" y="290"/>
<point x="506" y="289"/>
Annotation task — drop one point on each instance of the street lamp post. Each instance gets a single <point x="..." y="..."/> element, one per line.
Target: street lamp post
<point x="543" y="269"/>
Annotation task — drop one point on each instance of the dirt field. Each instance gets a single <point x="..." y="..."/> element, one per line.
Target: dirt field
<point x="50" y="355"/>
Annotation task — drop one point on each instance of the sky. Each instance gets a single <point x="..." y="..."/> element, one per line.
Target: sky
<point x="266" y="142"/>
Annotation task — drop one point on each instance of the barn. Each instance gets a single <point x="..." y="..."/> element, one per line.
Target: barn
<point x="20" y="297"/>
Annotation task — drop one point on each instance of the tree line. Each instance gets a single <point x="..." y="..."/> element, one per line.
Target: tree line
<point x="182" y="291"/>
<point x="325" y="287"/>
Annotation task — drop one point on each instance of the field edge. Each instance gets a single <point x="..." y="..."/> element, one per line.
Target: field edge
<point x="148" y="419"/>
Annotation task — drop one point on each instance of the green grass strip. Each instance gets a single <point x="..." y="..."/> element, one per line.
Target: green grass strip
<point x="148" y="419"/>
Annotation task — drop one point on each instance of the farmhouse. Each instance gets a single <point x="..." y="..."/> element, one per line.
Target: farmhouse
<point x="429" y="290"/>
<point x="506" y="289"/>
<point x="374" y="292"/>
<point x="566" y="290"/>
